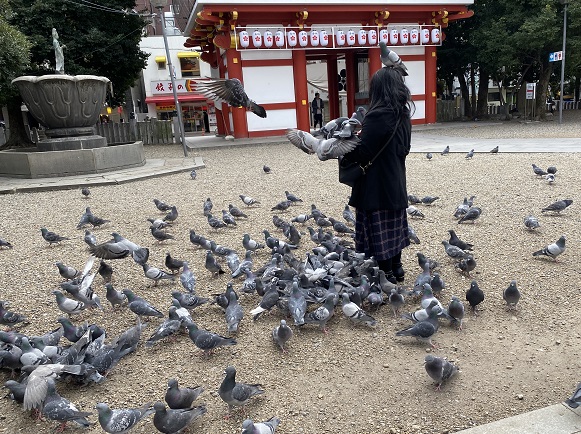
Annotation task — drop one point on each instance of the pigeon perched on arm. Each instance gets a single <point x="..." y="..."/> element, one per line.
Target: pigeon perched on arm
<point x="267" y="427"/>
<point x="236" y="394"/>
<point x="391" y="60"/>
<point x="552" y="250"/>
<point x="230" y="91"/>
<point x="439" y="369"/>
<point x="121" y="420"/>
<point x="178" y="397"/>
<point x="175" y="421"/>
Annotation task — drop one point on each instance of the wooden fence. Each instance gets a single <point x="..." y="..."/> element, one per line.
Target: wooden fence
<point x="152" y="132"/>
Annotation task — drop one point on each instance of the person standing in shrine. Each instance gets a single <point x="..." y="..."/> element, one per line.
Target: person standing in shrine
<point x="317" y="106"/>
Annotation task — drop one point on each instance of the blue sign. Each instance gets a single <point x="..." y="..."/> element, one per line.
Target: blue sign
<point x="556" y="56"/>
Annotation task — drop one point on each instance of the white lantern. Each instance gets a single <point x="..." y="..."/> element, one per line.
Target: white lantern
<point x="425" y="36"/>
<point x="244" y="39"/>
<point x="324" y="38"/>
<point x="435" y="35"/>
<point x="404" y="36"/>
<point x="257" y="39"/>
<point x="372" y="37"/>
<point x="394" y="37"/>
<point x="268" y="39"/>
<point x="303" y="38"/>
<point x="384" y="36"/>
<point x="315" y="38"/>
<point x="350" y="37"/>
<point x="362" y="37"/>
<point x="414" y="36"/>
<point x="291" y="38"/>
<point x="340" y="36"/>
<point x="279" y="38"/>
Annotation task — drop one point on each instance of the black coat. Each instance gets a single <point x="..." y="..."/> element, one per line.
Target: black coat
<point x="384" y="185"/>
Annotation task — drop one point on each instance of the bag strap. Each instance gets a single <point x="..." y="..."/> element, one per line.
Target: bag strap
<point x="383" y="147"/>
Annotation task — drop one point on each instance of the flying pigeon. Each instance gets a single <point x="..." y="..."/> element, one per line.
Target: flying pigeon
<point x="552" y="250"/>
<point x="121" y="420"/>
<point x="281" y="334"/>
<point x="439" y="369"/>
<point x="230" y="91"/>
<point x="390" y="59"/>
<point x="236" y="394"/>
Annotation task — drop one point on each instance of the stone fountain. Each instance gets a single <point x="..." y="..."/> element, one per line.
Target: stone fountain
<point x="68" y="107"/>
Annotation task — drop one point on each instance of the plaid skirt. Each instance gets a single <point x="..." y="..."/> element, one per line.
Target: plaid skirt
<point x="381" y="233"/>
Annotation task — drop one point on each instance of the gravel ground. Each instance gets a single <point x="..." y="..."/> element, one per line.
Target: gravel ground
<point x="353" y="379"/>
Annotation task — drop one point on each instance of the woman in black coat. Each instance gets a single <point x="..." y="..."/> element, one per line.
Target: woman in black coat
<point x="380" y="196"/>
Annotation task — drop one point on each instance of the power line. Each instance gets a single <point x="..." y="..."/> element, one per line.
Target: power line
<point x="88" y="4"/>
<point x="115" y="41"/>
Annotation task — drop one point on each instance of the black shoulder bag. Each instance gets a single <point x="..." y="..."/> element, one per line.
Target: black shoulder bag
<point x="351" y="171"/>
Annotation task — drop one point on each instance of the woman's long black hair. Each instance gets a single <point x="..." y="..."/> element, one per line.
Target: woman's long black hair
<point x="388" y="89"/>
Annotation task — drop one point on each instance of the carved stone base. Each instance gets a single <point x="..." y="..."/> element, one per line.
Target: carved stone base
<point x="71" y="143"/>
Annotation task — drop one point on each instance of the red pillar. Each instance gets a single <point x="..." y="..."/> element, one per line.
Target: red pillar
<point x="301" y="89"/>
<point x="431" y="85"/>
<point x="375" y="64"/>
<point x="332" y="82"/>
<point x="234" y="66"/>
<point x="351" y="79"/>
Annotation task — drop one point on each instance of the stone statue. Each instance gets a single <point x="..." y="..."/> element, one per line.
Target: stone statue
<point x="58" y="51"/>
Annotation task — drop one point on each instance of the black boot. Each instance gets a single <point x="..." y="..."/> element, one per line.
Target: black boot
<point x="397" y="268"/>
<point x="386" y="266"/>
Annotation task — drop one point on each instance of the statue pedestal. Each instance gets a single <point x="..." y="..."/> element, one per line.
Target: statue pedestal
<point x="71" y="143"/>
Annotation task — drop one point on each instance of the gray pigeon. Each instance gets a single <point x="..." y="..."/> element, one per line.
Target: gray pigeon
<point x="236" y="212"/>
<point x="207" y="341"/>
<point x="538" y="171"/>
<point x="322" y="314"/>
<point x="267" y="427"/>
<point x="413" y="237"/>
<point x="281" y="334"/>
<point x="454" y="252"/>
<point x="188" y="300"/>
<point x="121" y="420"/>
<point x="207" y="207"/>
<point x="348" y="214"/>
<point x="160" y="235"/>
<point x="423" y="330"/>
<point x="4" y="243"/>
<point x="193" y="174"/>
<point x="558" y="206"/>
<point x="293" y="198"/>
<point x="236" y="394"/>
<point x="466" y="265"/>
<point x="248" y="200"/>
<point x="429" y="155"/>
<point x="116" y="298"/>
<point x="67" y="272"/>
<point x="172" y="215"/>
<point x="472" y="215"/>
<point x="156" y="274"/>
<point x="37" y="385"/>
<point x="455" y="241"/>
<point x="391" y="60"/>
<point x="168" y="327"/>
<point x="140" y="306"/>
<point x="575" y="399"/>
<point x="396" y="300"/>
<point x="456" y="311"/>
<point x="414" y="212"/>
<point x="51" y="237"/>
<point x="228" y="218"/>
<point x="85" y="192"/>
<point x="474" y="295"/>
<point x="178" y="397"/>
<point x="230" y="91"/>
<point x="234" y="313"/>
<point x="175" y="421"/>
<point x="55" y="407"/>
<point x="160" y="205"/>
<point x="439" y="369"/>
<point x="297" y="304"/>
<point x="355" y="313"/>
<point x="511" y="295"/>
<point x="325" y="149"/>
<point x="470" y="154"/>
<point x="212" y="264"/>
<point x="446" y="150"/>
<point x="552" y="250"/>
<point x="187" y="279"/>
<point x="67" y="305"/>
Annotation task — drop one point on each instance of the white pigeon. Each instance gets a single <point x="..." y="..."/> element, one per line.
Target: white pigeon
<point x="390" y="59"/>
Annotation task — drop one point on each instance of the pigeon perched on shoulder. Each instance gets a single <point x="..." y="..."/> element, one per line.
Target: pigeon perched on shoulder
<point x="531" y="222"/>
<point x="281" y="334"/>
<point x="552" y="250"/>
<point x="178" y="397"/>
<point x="116" y="421"/>
<point x="511" y="295"/>
<point x="174" y="421"/>
<point x="230" y="91"/>
<point x="267" y="427"/>
<point x="236" y="394"/>
<point x="391" y="60"/>
<point x="439" y="369"/>
<point x="558" y="206"/>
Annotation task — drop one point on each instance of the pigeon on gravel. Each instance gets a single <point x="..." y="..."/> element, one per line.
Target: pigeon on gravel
<point x="552" y="250"/>
<point x="207" y="207"/>
<point x="558" y="206"/>
<point x="575" y="399"/>
<point x="172" y="263"/>
<point x="178" y="397"/>
<point x="248" y="200"/>
<point x="188" y="279"/>
<point x="4" y="243"/>
<point x="281" y="334"/>
<point x="160" y="235"/>
<point x="322" y="314"/>
<point x="161" y="205"/>
<point x="175" y="421"/>
<point x="267" y="427"/>
<point x="511" y="295"/>
<point x="85" y="218"/>
<point x="236" y="394"/>
<point x="172" y="215"/>
<point x="531" y="222"/>
<point x="121" y="420"/>
<point x="212" y="264"/>
<point x="67" y="305"/>
<point x="250" y="244"/>
<point x="396" y="300"/>
<point x="538" y="171"/>
<point x="466" y="265"/>
<point x="234" y="313"/>
<point x="456" y="311"/>
<point x="168" y="327"/>
<point x="159" y="223"/>
<point x="455" y="241"/>
<point x="215" y="223"/>
<point x="140" y="306"/>
<point x="446" y="150"/>
<point x="293" y="198"/>
<point x="474" y="295"/>
<point x="423" y="331"/>
<point x="494" y="150"/>
<point x="9" y="318"/>
<point x="413" y="237"/>
<point x="188" y="300"/>
<point x="429" y="155"/>
<point x="66" y="272"/>
<point x="71" y="332"/>
<point x="439" y="369"/>
<point x="236" y="212"/>
<point x="355" y="313"/>
<point x="472" y="215"/>
<point x="391" y="60"/>
<point x="228" y="218"/>
<point x="193" y="174"/>
<point x="55" y="407"/>
<point x="156" y="274"/>
<point x="230" y="91"/>
<point x="282" y="206"/>
<point x="266" y="169"/>
<point x="414" y="212"/>
<point x="51" y="237"/>
<point x="37" y="385"/>
<point x="115" y="297"/>
<point x="207" y="341"/>
<point x="454" y="252"/>
<point x="428" y="200"/>
<point x="105" y="271"/>
<point x="470" y="154"/>
<point x="85" y="192"/>
<point x="348" y="214"/>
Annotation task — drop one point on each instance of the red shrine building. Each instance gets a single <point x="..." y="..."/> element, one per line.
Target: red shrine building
<point x="267" y="44"/>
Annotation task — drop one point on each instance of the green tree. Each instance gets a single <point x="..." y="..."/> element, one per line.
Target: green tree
<point x="100" y="38"/>
<point x="14" y="59"/>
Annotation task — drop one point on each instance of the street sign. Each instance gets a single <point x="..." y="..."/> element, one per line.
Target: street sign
<point x="556" y="56"/>
<point x="531" y="87"/>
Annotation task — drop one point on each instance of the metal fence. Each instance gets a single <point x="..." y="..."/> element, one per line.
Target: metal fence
<point x="152" y="132"/>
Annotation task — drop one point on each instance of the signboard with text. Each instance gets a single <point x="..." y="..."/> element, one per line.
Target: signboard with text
<point x="556" y="56"/>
